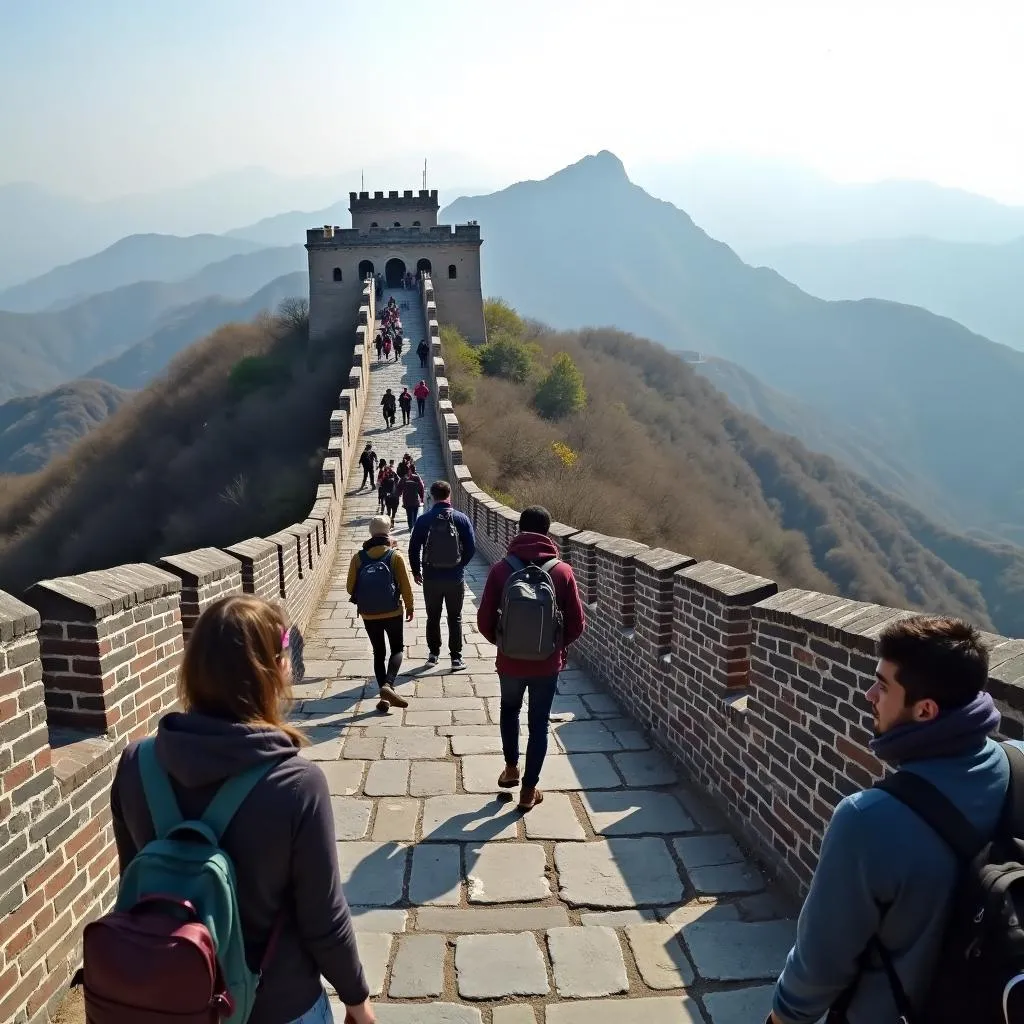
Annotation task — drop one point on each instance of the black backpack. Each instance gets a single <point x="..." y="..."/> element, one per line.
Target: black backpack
<point x="529" y="619"/>
<point x="443" y="546"/>
<point x="979" y="974"/>
<point x="376" y="590"/>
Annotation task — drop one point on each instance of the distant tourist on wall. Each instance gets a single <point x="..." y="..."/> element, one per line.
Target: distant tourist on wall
<point x="230" y="758"/>
<point x="870" y="943"/>
<point x="387" y="404"/>
<point x="405" y="404"/>
<point x="368" y="460"/>
<point x="444" y="537"/>
<point x="423" y="350"/>
<point x="412" y="495"/>
<point x="385" y="484"/>
<point x="387" y="346"/>
<point x="531" y="610"/>
<point x="378" y="584"/>
<point x="422" y="393"/>
<point x="379" y="344"/>
<point x="398" y="346"/>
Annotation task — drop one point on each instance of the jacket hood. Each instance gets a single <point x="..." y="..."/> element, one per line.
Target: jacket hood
<point x="530" y="546"/>
<point x="376" y="542"/>
<point x="198" y="750"/>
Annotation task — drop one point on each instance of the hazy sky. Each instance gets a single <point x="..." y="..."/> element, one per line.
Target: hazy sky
<point x="103" y="97"/>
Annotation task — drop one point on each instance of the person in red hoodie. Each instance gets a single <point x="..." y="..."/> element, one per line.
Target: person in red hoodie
<point x="422" y="393"/>
<point x="539" y="676"/>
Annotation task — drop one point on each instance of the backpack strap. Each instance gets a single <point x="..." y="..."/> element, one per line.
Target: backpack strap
<point x="516" y="562"/>
<point x="156" y="788"/>
<point x="549" y="564"/>
<point x="1011" y="821"/>
<point x="231" y="796"/>
<point x="940" y="814"/>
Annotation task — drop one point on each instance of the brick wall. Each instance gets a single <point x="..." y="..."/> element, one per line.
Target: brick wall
<point x="89" y="663"/>
<point x="757" y="695"/>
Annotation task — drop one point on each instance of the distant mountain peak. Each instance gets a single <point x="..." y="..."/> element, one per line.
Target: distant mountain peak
<point x="604" y="166"/>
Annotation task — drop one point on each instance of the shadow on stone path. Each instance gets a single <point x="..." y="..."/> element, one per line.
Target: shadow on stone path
<point x="622" y="885"/>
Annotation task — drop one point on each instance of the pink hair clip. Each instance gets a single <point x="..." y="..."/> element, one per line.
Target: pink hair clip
<point x="285" y="639"/>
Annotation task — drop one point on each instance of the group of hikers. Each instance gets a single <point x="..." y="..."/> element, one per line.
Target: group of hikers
<point x="390" y="402"/>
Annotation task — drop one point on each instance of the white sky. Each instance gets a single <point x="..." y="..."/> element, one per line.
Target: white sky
<point x="105" y="97"/>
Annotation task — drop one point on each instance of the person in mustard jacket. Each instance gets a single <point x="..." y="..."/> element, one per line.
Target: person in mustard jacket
<point x="379" y="585"/>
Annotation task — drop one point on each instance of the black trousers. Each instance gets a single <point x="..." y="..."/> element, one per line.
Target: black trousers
<point x="367" y="478"/>
<point x="420" y="405"/>
<point x="405" y="415"/>
<point x="423" y="359"/>
<point x="447" y="595"/>
<point x="391" y="630"/>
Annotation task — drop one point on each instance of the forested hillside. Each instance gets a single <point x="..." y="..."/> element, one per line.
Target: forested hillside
<point x="657" y="454"/>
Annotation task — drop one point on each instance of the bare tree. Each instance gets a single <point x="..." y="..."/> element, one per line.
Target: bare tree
<point x="294" y="313"/>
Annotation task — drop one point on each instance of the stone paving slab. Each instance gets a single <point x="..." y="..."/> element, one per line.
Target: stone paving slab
<point x="425" y="834"/>
<point x="587" y="962"/>
<point x="499" y="966"/>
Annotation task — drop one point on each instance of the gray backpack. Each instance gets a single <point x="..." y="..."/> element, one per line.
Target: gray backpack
<point x="529" y="619"/>
<point x="443" y="548"/>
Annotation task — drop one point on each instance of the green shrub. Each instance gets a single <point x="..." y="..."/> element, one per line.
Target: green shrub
<point x="460" y="358"/>
<point x="501" y="320"/>
<point x="561" y="393"/>
<point x="506" y="357"/>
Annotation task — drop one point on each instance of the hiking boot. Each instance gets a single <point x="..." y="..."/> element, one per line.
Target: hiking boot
<point x="431" y="659"/>
<point x="509" y="777"/>
<point x="387" y="693"/>
<point x="383" y="707"/>
<point x="529" y="797"/>
<point x="457" y="663"/>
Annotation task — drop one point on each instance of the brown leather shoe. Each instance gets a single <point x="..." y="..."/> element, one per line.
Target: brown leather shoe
<point x="509" y="777"/>
<point x="529" y="797"/>
<point x="388" y="694"/>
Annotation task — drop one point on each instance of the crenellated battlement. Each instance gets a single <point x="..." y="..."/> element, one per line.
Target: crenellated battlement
<point x="87" y="664"/>
<point x="332" y="237"/>
<point x="757" y="693"/>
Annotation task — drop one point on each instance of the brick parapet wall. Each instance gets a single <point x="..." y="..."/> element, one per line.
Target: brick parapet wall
<point x="757" y="695"/>
<point x="89" y="663"/>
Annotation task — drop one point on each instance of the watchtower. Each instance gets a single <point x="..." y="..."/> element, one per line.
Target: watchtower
<point x="393" y="235"/>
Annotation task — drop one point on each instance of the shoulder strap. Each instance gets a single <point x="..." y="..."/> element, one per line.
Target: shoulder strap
<point x="1011" y="821"/>
<point x="515" y="562"/>
<point x="386" y="557"/>
<point x="364" y="558"/>
<point x="936" y="811"/>
<point x="549" y="564"/>
<point x="231" y="795"/>
<point x="156" y="787"/>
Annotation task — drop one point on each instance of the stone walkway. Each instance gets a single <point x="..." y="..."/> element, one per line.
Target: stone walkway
<point x="617" y="899"/>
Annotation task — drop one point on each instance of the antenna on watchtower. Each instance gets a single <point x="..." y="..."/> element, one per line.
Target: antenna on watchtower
<point x="362" y="181"/>
<point x="424" y="173"/>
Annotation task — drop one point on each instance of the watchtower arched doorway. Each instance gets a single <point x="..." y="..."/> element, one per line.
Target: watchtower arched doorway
<point x="394" y="272"/>
<point x="365" y="269"/>
<point x="422" y="265"/>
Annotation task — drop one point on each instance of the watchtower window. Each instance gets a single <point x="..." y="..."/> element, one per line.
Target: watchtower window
<point x="374" y="224"/>
<point x="337" y="273"/>
<point x="398" y="224"/>
<point x="452" y="272"/>
<point x="415" y="223"/>
<point x="423" y="266"/>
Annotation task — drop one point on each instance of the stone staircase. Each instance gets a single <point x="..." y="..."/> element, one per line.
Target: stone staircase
<point x="620" y="898"/>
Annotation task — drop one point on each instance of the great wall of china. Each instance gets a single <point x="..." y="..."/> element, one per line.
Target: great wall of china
<point x="753" y="692"/>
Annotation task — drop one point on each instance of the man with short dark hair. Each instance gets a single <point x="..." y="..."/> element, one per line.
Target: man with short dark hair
<point x="445" y="537"/>
<point x="883" y="874"/>
<point x="531" y="610"/>
<point x="368" y="463"/>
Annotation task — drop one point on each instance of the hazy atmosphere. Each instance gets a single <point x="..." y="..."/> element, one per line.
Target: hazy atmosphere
<point x="116" y="96"/>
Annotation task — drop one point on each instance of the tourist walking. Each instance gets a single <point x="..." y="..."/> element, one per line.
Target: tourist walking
<point x="398" y="347"/>
<point x="422" y="393"/>
<point x="423" y="350"/>
<point x="870" y="943"/>
<point x="405" y="404"/>
<point x="391" y="502"/>
<point x="231" y="759"/>
<point x="387" y="404"/>
<point x="379" y="345"/>
<point x="444" y="538"/>
<point x="385" y="485"/>
<point x="412" y="494"/>
<point x="378" y="583"/>
<point x="368" y="461"/>
<point x="531" y="610"/>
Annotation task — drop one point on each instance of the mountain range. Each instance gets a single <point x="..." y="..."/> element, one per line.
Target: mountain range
<point x="588" y="247"/>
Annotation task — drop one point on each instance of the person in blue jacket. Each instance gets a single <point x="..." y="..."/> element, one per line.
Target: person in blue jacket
<point x="444" y="537"/>
<point x="882" y="872"/>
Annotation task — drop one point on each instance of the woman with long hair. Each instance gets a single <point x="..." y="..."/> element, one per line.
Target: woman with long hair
<point x="235" y="689"/>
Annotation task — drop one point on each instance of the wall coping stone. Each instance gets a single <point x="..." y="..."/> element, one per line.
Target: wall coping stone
<point x="561" y="532"/>
<point x="663" y="560"/>
<point x="588" y="538"/>
<point x="16" y="618"/>
<point x="462" y="473"/>
<point x="91" y="596"/>
<point x="621" y="547"/>
<point x="724" y="581"/>
<point x="253" y="548"/>
<point x="202" y="566"/>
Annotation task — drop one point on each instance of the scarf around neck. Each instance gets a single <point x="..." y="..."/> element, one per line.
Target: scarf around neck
<point x="953" y="733"/>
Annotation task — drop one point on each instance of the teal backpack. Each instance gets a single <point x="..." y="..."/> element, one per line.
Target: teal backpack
<point x="172" y="949"/>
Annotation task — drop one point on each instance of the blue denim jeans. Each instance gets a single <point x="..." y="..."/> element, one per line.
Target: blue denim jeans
<point x="542" y="693"/>
<point x="318" y="1013"/>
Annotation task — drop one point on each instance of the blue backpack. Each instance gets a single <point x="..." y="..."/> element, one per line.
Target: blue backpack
<point x="376" y="587"/>
<point x="172" y="949"/>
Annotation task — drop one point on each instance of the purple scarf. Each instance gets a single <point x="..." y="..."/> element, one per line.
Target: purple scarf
<point x="952" y="733"/>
